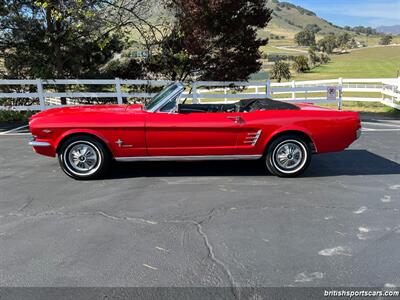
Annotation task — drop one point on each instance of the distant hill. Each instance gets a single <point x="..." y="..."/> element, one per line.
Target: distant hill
<point x="395" y="29"/>
<point x="288" y="19"/>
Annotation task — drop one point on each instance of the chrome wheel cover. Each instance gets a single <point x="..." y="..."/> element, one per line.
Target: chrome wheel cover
<point x="82" y="158"/>
<point x="289" y="156"/>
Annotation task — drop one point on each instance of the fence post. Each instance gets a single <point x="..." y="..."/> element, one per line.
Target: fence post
<point x="340" y="102"/>
<point x="42" y="102"/>
<point x="294" y="93"/>
<point x="268" y="89"/>
<point x="398" y="89"/>
<point x="118" y="90"/>
<point x="225" y="92"/>
<point x="194" y="92"/>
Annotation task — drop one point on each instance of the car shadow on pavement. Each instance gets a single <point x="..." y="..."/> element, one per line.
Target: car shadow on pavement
<point x="350" y="162"/>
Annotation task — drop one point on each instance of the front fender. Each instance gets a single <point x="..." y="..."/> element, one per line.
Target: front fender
<point x="92" y="132"/>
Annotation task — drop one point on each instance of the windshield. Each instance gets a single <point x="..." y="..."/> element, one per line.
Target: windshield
<point x="160" y="96"/>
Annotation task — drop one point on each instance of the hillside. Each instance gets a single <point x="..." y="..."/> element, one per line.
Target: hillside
<point x="288" y="19"/>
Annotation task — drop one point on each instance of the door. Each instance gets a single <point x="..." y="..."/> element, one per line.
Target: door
<point x="256" y="127"/>
<point x="192" y="134"/>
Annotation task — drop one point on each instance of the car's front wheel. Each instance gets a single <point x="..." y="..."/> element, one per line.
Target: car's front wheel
<point x="288" y="156"/>
<point x="83" y="157"/>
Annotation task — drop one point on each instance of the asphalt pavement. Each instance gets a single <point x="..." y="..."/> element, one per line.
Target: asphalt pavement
<point x="204" y="224"/>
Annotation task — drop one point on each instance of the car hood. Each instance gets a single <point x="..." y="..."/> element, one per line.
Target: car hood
<point x="86" y="109"/>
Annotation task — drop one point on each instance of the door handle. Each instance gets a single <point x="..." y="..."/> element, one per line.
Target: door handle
<point x="237" y="119"/>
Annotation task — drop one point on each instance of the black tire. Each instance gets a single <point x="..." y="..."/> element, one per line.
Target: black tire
<point x="82" y="164"/>
<point x="288" y="156"/>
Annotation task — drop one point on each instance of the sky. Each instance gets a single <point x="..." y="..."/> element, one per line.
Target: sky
<point x="355" y="12"/>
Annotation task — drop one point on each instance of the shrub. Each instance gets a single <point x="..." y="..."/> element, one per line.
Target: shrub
<point x="273" y="57"/>
<point x="300" y="64"/>
<point x="386" y="40"/>
<point x="9" y="116"/>
<point x="325" y="58"/>
<point x="313" y="58"/>
<point x="281" y="70"/>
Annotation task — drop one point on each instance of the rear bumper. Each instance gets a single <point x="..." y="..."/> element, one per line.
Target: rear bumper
<point x="358" y="133"/>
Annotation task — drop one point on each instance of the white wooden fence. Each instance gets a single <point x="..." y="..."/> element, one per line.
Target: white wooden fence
<point x="383" y="90"/>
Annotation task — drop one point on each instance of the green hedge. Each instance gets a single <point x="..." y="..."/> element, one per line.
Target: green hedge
<point x="8" y="116"/>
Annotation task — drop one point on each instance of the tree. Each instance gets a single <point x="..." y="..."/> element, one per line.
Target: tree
<point x="343" y="40"/>
<point x="325" y="58"/>
<point x="362" y="29"/>
<point x="327" y="44"/>
<point x="305" y="38"/>
<point x="313" y="28"/>
<point x="300" y="64"/>
<point x="52" y="39"/>
<point x="352" y="43"/>
<point x="55" y="36"/>
<point x="313" y="58"/>
<point x="213" y="40"/>
<point x="280" y="70"/>
<point x="64" y="39"/>
<point x="386" y="40"/>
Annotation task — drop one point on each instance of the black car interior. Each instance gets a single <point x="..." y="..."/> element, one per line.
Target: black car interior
<point x="247" y="105"/>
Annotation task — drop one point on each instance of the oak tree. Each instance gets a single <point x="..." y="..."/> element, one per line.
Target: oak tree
<point x="213" y="40"/>
<point x="305" y="38"/>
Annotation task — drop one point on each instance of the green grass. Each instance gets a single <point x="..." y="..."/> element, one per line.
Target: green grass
<point x="374" y="40"/>
<point x="364" y="63"/>
<point x="367" y="107"/>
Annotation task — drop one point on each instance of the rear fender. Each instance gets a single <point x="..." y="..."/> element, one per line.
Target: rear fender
<point x="289" y="129"/>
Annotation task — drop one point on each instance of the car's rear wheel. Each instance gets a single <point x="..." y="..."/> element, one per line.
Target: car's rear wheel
<point x="288" y="156"/>
<point x="83" y="157"/>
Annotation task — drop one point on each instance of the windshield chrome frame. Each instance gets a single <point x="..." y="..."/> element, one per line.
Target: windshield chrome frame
<point x="178" y="90"/>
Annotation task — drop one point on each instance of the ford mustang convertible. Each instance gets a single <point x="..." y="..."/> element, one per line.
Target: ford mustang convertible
<point x="283" y="136"/>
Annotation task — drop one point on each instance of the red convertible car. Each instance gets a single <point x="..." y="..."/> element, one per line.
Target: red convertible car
<point x="284" y="136"/>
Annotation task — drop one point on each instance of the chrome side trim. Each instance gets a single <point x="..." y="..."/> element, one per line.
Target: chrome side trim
<point x="39" y="144"/>
<point x="189" y="158"/>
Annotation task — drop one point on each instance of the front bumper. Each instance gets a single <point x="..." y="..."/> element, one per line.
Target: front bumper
<point x="43" y="147"/>
<point x="34" y="143"/>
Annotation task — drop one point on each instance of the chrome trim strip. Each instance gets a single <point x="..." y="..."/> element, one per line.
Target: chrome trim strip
<point x="252" y="138"/>
<point x="257" y="137"/>
<point x="39" y="144"/>
<point x="189" y="158"/>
